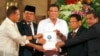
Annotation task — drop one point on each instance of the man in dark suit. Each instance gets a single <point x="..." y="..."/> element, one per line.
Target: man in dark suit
<point x="91" y="36"/>
<point x="27" y="27"/>
<point x="77" y="28"/>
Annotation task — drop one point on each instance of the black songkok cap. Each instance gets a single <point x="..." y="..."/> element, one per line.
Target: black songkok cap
<point x="29" y="8"/>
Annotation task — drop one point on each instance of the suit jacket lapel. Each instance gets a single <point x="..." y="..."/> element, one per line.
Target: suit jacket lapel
<point x="26" y="28"/>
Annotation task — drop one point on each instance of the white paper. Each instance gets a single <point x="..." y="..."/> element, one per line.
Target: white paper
<point x="51" y="39"/>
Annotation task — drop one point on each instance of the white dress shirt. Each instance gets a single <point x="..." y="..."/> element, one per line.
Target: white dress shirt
<point x="10" y="38"/>
<point x="46" y="26"/>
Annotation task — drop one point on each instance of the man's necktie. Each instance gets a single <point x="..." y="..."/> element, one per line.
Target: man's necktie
<point x="33" y="40"/>
<point x="29" y="25"/>
<point x="73" y="34"/>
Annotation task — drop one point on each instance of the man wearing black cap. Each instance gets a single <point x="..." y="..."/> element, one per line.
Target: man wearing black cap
<point x="27" y="27"/>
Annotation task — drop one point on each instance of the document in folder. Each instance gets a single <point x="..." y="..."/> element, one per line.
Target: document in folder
<point x="51" y="39"/>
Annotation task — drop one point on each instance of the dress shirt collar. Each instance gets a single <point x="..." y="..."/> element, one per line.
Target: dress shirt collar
<point x="29" y="23"/>
<point x="49" y="21"/>
<point x="8" y="20"/>
<point x="76" y="30"/>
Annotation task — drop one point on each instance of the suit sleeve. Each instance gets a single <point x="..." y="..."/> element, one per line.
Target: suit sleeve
<point x="88" y="35"/>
